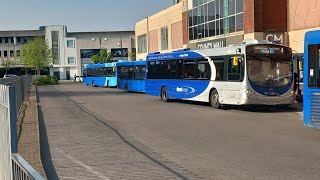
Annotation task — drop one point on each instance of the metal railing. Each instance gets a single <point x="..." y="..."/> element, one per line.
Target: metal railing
<point x="5" y="139"/>
<point x="12" y="94"/>
<point x="21" y="170"/>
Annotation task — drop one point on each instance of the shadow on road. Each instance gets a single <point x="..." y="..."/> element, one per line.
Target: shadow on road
<point x="297" y="107"/>
<point x="45" y="149"/>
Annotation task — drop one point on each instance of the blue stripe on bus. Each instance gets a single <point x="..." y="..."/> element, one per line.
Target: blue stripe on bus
<point x="177" y="89"/>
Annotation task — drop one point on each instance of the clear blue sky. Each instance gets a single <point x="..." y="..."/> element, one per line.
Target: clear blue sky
<point x="77" y="15"/>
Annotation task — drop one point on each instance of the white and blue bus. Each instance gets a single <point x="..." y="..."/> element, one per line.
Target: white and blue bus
<point x="104" y="75"/>
<point x="250" y="73"/>
<point x="311" y="80"/>
<point x="131" y="75"/>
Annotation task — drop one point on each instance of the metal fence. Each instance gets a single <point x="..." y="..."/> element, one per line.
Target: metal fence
<point x="5" y="140"/>
<point x="12" y="94"/>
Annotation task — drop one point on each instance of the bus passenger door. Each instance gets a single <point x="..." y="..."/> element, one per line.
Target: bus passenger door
<point x="231" y="88"/>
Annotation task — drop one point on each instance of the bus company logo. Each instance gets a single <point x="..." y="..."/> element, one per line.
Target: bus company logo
<point x="187" y="89"/>
<point x="184" y="55"/>
<point x="271" y="94"/>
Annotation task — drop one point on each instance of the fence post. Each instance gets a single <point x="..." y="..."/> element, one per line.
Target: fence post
<point x="13" y="119"/>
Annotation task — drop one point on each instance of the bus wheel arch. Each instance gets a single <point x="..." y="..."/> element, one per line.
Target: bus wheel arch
<point x="164" y="94"/>
<point x="214" y="99"/>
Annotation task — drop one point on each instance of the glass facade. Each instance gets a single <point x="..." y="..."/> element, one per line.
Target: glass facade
<point x="55" y="46"/>
<point x="215" y="17"/>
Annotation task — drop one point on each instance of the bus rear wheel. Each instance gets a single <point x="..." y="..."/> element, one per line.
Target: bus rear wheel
<point x="164" y="95"/>
<point x="214" y="99"/>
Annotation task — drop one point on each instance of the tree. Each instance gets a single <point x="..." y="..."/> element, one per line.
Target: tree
<point x="36" y="54"/>
<point x="7" y="64"/>
<point x="102" y="57"/>
<point x="132" y="56"/>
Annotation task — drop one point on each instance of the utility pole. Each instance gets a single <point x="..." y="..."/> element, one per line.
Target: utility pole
<point x="121" y="44"/>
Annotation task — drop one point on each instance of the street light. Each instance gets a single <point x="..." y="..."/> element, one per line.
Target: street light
<point x="100" y="41"/>
<point x="120" y="44"/>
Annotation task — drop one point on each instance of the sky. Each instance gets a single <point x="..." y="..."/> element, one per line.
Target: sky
<point x="77" y="15"/>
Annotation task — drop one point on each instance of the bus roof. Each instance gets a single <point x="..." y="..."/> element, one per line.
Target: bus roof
<point x="186" y="53"/>
<point x="101" y="65"/>
<point x="131" y="63"/>
<point x="312" y="37"/>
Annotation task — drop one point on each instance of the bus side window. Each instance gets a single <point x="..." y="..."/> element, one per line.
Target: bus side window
<point x="219" y="64"/>
<point x="189" y="69"/>
<point x="234" y="68"/>
<point x="84" y="74"/>
<point x="203" y="69"/>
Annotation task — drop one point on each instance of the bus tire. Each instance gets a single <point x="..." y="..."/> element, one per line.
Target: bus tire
<point x="214" y="99"/>
<point x="126" y="89"/>
<point x="164" y="95"/>
<point x="92" y="84"/>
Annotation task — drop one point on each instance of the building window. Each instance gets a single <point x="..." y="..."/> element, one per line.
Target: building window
<point x="142" y="43"/>
<point x="0" y="53"/>
<point x="215" y="17"/>
<point x="164" y="38"/>
<point x="18" y="39"/>
<point x="12" y="40"/>
<point x="70" y="43"/>
<point x="11" y="53"/>
<point x="0" y="39"/>
<point x="24" y="40"/>
<point x="5" y="53"/>
<point x="71" y="60"/>
<point x="18" y="53"/>
<point x="118" y="52"/>
<point x="6" y="40"/>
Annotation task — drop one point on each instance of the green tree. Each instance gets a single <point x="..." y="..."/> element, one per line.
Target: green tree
<point x="132" y="56"/>
<point x="7" y="64"/>
<point x="102" y="57"/>
<point x="36" y="54"/>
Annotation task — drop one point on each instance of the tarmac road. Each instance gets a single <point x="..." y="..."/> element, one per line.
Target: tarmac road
<point x="182" y="140"/>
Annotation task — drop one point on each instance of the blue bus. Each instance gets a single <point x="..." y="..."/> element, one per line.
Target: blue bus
<point x="311" y="80"/>
<point x="131" y="75"/>
<point x="248" y="74"/>
<point x="104" y="75"/>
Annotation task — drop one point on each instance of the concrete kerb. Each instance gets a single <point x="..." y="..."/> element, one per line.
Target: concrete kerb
<point x="37" y="120"/>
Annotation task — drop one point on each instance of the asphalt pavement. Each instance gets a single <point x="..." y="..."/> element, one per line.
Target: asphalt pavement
<point x="100" y="133"/>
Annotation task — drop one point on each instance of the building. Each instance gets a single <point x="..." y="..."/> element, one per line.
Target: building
<point x="160" y="32"/>
<point x="219" y="23"/>
<point x="71" y="50"/>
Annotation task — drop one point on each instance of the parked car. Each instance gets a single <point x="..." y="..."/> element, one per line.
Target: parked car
<point x="9" y="75"/>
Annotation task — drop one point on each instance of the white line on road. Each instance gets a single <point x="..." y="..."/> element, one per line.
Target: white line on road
<point x="88" y="168"/>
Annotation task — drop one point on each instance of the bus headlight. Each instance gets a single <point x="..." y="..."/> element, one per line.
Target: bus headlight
<point x="249" y="93"/>
<point x="290" y="93"/>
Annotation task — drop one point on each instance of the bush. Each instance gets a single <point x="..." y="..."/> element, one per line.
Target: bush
<point x="45" y="80"/>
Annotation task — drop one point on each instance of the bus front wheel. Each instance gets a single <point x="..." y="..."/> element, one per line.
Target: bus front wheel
<point x="214" y="99"/>
<point x="126" y="89"/>
<point x="164" y="95"/>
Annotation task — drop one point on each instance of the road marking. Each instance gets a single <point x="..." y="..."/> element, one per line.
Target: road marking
<point x="88" y="168"/>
